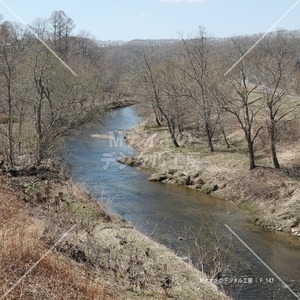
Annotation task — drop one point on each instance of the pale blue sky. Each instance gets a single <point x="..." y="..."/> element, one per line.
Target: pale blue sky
<point x="155" y="19"/>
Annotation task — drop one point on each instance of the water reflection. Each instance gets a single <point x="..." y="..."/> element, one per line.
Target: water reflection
<point x="164" y="211"/>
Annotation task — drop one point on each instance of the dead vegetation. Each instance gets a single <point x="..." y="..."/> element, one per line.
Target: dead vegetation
<point x="103" y="257"/>
<point x="271" y="197"/>
<point x="24" y="239"/>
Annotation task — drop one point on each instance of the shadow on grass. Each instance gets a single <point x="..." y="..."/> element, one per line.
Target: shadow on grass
<point x="289" y="171"/>
<point x="293" y="171"/>
<point x="233" y="150"/>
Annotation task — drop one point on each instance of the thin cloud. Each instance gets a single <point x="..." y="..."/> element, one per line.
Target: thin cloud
<point x="180" y="1"/>
<point x="142" y="15"/>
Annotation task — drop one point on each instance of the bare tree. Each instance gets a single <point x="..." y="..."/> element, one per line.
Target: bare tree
<point x="60" y="102"/>
<point x="41" y="27"/>
<point x="161" y="102"/>
<point x="204" y="248"/>
<point x="8" y="74"/>
<point x="89" y="47"/>
<point x="237" y="96"/>
<point x="40" y="101"/>
<point x="276" y="82"/>
<point x="198" y="68"/>
<point x="62" y="27"/>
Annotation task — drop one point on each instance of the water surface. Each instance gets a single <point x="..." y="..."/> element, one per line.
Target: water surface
<point x="164" y="211"/>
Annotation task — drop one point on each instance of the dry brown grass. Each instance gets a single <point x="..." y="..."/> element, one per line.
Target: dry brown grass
<point x="53" y="278"/>
<point x="22" y="244"/>
<point x="102" y="258"/>
<point x="263" y="192"/>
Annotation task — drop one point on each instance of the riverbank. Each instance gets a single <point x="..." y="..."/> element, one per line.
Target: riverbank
<point x="270" y="197"/>
<point x="101" y="257"/>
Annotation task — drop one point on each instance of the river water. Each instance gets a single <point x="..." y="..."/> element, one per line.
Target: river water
<point x="167" y="212"/>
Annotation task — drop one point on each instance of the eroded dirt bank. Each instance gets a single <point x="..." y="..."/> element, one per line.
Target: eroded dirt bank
<point x="271" y="197"/>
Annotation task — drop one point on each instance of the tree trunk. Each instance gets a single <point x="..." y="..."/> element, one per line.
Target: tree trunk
<point x="172" y="132"/>
<point x="250" y="145"/>
<point x="157" y="121"/>
<point x="174" y="141"/>
<point x="272" y="132"/>
<point x="210" y="143"/>
<point x="171" y="128"/>
<point x="157" y="117"/>
<point x="274" y="156"/>
<point x="225" y="137"/>
<point x="209" y="137"/>
<point x="272" y="135"/>
<point x="251" y="155"/>
<point x="180" y="129"/>
<point x="38" y="128"/>
<point x="10" y="128"/>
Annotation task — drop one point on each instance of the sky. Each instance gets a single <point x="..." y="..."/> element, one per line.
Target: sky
<point x="125" y="20"/>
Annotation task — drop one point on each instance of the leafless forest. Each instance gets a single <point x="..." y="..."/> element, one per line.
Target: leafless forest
<point x="206" y="89"/>
<point x="41" y="99"/>
<point x="193" y="86"/>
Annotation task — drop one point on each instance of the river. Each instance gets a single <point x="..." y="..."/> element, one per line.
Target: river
<point x="164" y="212"/>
